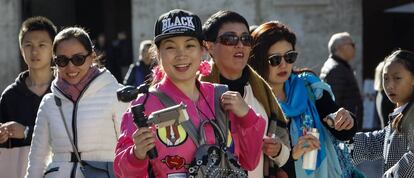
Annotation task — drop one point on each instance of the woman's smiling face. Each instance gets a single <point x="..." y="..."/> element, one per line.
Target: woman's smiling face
<point x="180" y="57"/>
<point x="72" y="73"/>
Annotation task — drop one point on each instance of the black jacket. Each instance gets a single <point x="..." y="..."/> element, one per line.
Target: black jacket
<point x="18" y="103"/>
<point x="137" y="73"/>
<point x="340" y="76"/>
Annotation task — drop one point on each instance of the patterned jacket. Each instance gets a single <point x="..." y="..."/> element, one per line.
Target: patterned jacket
<point x="388" y="144"/>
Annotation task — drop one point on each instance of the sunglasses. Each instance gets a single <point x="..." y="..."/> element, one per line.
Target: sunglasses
<point x="77" y="60"/>
<point x="290" y="57"/>
<point x="233" y="40"/>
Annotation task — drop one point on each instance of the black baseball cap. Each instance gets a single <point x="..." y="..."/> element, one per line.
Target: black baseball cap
<point x="177" y="22"/>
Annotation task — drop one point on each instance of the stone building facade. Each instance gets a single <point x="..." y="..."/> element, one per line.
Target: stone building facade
<point x="314" y="21"/>
<point x="9" y="45"/>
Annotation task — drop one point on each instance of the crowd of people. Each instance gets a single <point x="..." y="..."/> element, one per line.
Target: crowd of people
<point x="247" y="111"/>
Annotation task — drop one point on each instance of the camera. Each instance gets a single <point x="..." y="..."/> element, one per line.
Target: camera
<point x="169" y="116"/>
<point x="162" y="118"/>
<point x="141" y="121"/>
<point x="129" y="93"/>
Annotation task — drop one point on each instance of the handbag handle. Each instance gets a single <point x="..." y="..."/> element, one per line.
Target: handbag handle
<point x="59" y="104"/>
<point x="216" y="129"/>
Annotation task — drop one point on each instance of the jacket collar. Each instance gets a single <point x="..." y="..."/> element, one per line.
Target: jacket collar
<point x="20" y="84"/>
<point x="169" y="88"/>
<point x="103" y="79"/>
<point x="340" y="60"/>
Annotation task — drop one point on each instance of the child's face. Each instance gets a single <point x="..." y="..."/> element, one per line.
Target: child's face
<point x="36" y="49"/>
<point x="398" y="83"/>
<point x="180" y="57"/>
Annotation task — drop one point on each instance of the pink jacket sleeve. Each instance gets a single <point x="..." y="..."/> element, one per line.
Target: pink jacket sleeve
<point x="247" y="133"/>
<point x="126" y="164"/>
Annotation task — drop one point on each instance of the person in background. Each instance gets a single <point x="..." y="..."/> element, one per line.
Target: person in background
<point x="383" y="106"/>
<point x="19" y="101"/>
<point x="337" y="72"/>
<point x="83" y="101"/>
<point x="252" y="28"/>
<point x="179" y="53"/>
<point x="106" y="52"/>
<point x="305" y="100"/>
<point x="229" y="43"/>
<point x="392" y="143"/>
<point x="101" y="45"/>
<point x="122" y="54"/>
<point x="139" y="71"/>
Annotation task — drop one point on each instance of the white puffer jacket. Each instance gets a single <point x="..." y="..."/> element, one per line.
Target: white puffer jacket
<point x="95" y="118"/>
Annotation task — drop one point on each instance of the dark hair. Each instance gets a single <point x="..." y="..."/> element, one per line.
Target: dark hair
<point x="80" y="35"/>
<point x="264" y="37"/>
<point x="216" y="21"/>
<point x="405" y="58"/>
<point x="38" y="23"/>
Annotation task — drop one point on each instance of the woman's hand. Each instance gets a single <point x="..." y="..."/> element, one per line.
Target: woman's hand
<point x="342" y="121"/>
<point x="233" y="101"/>
<point x="144" y="141"/>
<point x="272" y="146"/>
<point x="305" y="144"/>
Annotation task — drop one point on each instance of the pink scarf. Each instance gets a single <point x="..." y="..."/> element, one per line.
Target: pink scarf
<point x="74" y="90"/>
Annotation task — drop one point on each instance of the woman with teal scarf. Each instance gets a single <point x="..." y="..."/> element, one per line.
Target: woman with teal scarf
<point x="306" y="101"/>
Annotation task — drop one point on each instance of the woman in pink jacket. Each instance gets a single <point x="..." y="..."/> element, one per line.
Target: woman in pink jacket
<point x="179" y="51"/>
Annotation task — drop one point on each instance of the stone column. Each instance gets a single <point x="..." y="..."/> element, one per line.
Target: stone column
<point x="10" y="13"/>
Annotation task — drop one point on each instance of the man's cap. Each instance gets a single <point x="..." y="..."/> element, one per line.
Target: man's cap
<point x="177" y="22"/>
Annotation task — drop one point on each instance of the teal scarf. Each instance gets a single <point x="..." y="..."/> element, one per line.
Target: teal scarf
<point x="300" y="108"/>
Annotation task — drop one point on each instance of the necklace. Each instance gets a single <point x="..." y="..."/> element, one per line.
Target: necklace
<point x="29" y="80"/>
<point x="38" y="89"/>
<point x="199" y="111"/>
<point x="29" y="83"/>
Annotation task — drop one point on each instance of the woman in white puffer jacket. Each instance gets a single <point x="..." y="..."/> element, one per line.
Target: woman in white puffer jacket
<point x="89" y="105"/>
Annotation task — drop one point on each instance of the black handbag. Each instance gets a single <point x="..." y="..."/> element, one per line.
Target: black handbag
<point x="89" y="169"/>
<point x="214" y="160"/>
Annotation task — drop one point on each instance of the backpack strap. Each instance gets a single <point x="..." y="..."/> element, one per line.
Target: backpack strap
<point x="187" y="125"/>
<point x="222" y="118"/>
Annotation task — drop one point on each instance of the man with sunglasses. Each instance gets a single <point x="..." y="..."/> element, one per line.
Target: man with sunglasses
<point x="337" y="72"/>
<point x="229" y="43"/>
